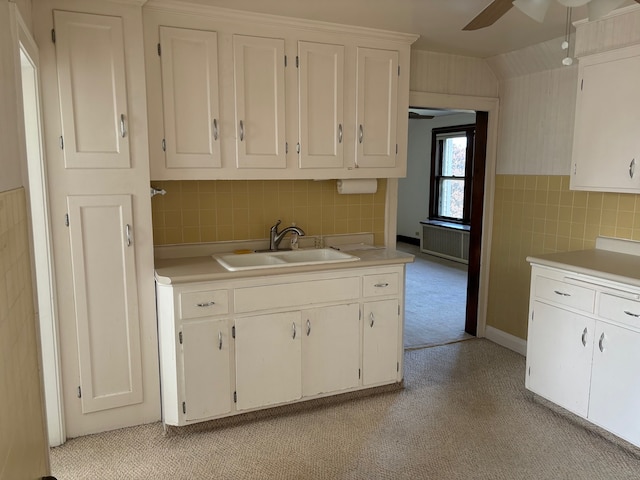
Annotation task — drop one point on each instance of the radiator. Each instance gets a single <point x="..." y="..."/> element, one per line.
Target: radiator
<point x="445" y="242"/>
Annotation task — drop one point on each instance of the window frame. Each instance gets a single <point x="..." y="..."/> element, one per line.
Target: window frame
<point x="437" y="137"/>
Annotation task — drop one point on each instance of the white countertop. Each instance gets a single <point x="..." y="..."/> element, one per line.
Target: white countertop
<point x="206" y="268"/>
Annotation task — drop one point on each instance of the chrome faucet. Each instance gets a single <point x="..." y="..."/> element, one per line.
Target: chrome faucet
<point x="276" y="237"/>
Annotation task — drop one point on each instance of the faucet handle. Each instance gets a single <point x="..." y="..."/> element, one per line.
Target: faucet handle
<point x="274" y="227"/>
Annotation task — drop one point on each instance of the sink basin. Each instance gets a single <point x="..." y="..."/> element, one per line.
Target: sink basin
<point x="289" y="258"/>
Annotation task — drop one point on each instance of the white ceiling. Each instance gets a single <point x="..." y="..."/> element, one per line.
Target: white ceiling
<point x="438" y="22"/>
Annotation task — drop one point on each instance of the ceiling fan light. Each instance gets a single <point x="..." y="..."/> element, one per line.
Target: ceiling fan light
<point x="599" y="8"/>
<point x="536" y="9"/>
<point x="573" y="3"/>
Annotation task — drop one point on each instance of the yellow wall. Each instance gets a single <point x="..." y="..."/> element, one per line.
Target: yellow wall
<point x="213" y="211"/>
<point x="537" y="214"/>
<point x="22" y="438"/>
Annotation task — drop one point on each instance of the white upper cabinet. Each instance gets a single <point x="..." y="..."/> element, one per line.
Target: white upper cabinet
<point x="93" y="93"/>
<point x="259" y="102"/>
<point x="377" y="108"/>
<point x="189" y="61"/>
<point x="606" y="146"/>
<point x="321" y="104"/>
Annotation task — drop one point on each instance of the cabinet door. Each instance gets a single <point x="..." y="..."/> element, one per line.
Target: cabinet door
<point x="559" y="349"/>
<point x="377" y="107"/>
<point x="606" y="148"/>
<point x="321" y="84"/>
<point x="268" y="359"/>
<point x="330" y="349"/>
<point x="615" y="381"/>
<point x="206" y="368"/>
<point x="106" y="300"/>
<point x="190" y="98"/>
<point x="93" y="96"/>
<point x="380" y="362"/>
<point x="259" y="102"/>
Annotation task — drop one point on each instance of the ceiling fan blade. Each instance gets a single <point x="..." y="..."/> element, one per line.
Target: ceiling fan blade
<point x="599" y="8"/>
<point x="489" y="15"/>
<point x="536" y="9"/>
<point x="418" y="116"/>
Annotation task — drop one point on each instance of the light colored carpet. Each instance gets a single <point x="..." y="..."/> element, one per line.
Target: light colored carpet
<point x="435" y="300"/>
<point x="464" y="414"/>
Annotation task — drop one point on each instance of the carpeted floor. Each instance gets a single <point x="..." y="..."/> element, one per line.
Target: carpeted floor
<point x="464" y="414"/>
<point x="435" y="300"/>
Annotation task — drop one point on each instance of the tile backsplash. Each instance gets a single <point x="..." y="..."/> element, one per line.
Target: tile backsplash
<point x="196" y="211"/>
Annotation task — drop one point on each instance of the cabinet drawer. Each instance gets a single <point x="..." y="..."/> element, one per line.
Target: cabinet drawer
<point x="380" y="284"/>
<point x="204" y="303"/>
<point x="618" y="309"/>
<point x="299" y="294"/>
<point x="572" y="296"/>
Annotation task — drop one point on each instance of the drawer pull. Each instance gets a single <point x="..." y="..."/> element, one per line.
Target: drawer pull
<point x="600" y="342"/>
<point x="381" y="285"/>
<point x="206" y="304"/>
<point x="562" y="294"/>
<point x="294" y="330"/>
<point x="584" y="337"/>
<point x="372" y="319"/>
<point x="631" y="314"/>
<point x="219" y="340"/>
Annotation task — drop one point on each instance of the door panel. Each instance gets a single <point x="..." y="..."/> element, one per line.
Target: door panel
<point x="380" y="342"/>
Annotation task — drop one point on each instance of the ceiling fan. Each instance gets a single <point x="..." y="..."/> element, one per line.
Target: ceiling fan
<point x="537" y="9"/>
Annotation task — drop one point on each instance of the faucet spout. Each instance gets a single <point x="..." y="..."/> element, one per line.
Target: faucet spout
<point x="275" y="236"/>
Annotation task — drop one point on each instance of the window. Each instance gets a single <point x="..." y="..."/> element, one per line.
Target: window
<point x="451" y="173"/>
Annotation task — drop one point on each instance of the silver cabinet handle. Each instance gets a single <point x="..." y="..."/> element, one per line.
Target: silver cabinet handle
<point x="215" y="129"/>
<point x="631" y="314"/>
<point x="123" y="130"/>
<point x="308" y="327"/>
<point x="632" y="168"/>
<point x="372" y="319"/>
<point x="294" y="330"/>
<point x="361" y="134"/>
<point x="340" y="133"/>
<point x="219" y="340"/>
<point x="600" y="342"/>
<point x="241" y="130"/>
<point x="381" y="285"/>
<point x="206" y="304"/>
<point x="127" y="229"/>
<point x="584" y="337"/>
<point x="562" y="294"/>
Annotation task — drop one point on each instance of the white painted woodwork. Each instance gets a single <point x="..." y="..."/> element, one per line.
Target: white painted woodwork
<point x="380" y="339"/>
<point x="190" y="98"/>
<point x="321" y="104"/>
<point x="206" y="362"/>
<point x="558" y="363"/>
<point x="268" y="359"/>
<point x="93" y="94"/>
<point x="615" y="390"/>
<point x="620" y="29"/>
<point x="606" y="145"/>
<point x="573" y="296"/>
<point x="260" y="102"/>
<point x="330" y="349"/>
<point x="106" y="300"/>
<point x="377" y="113"/>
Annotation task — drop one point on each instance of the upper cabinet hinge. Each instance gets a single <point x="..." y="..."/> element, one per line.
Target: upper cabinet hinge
<point x="359" y="373"/>
<point x="61" y="142"/>
<point x="285" y="60"/>
<point x="398" y="367"/>
<point x="398" y="70"/>
<point x="159" y="50"/>
<point x="398" y="310"/>
<point x="396" y="148"/>
<point x="184" y="408"/>
<point x="529" y="371"/>
<point x="359" y="314"/>
<point x="180" y="337"/>
<point x="79" y="391"/>
<point x="66" y="219"/>
<point x="297" y="62"/>
<point x="53" y="35"/>
<point x="235" y="397"/>
<point x="164" y="145"/>
<point x="581" y="84"/>
<point x="233" y="332"/>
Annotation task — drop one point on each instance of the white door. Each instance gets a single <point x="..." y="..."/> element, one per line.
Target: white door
<point x="206" y="368"/>
<point x="259" y="102"/>
<point x="377" y="108"/>
<point x="268" y="359"/>
<point x="106" y="301"/>
<point x="559" y="349"/>
<point x="92" y="87"/>
<point x="190" y="98"/>
<point x="615" y="381"/>
<point x="330" y="349"/>
<point x="381" y="326"/>
<point x="321" y="91"/>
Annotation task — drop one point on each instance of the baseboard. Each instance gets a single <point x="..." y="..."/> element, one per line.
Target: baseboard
<point x="409" y="240"/>
<point x="506" y="340"/>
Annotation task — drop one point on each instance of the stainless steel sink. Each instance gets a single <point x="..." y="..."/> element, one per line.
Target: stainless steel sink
<point x="289" y="258"/>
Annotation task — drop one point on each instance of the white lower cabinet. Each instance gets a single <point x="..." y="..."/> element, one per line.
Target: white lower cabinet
<point x="582" y="348"/>
<point x="232" y="346"/>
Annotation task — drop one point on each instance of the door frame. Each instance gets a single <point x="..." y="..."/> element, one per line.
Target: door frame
<point x="483" y="249"/>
